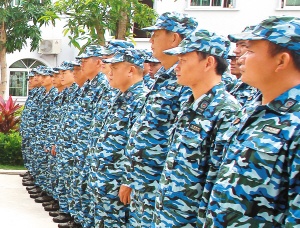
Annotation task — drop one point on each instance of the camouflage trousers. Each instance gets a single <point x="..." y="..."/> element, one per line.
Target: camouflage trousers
<point x="41" y="165"/>
<point x="64" y="181"/>
<point x="141" y="209"/>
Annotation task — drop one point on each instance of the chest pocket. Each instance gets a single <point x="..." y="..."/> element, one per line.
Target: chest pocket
<point x="193" y="147"/>
<point x="258" y="158"/>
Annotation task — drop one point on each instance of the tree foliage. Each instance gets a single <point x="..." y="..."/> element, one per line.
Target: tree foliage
<point x="87" y="20"/>
<point x="22" y="22"/>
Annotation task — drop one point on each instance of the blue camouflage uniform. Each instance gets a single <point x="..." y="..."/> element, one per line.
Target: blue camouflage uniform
<point x="258" y="182"/>
<point x="24" y="125"/>
<point x="111" y="144"/>
<point x="41" y="132"/>
<point x="100" y="112"/>
<point x="148" y="141"/>
<point x="196" y="144"/>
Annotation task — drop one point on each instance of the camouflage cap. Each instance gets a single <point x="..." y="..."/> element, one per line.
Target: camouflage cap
<point x="65" y="65"/>
<point x="149" y="57"/>
<point x="47" y="71"/>
<point x="280" y="30"/>
<point x="203" y="41"/>
<point x="76" y="62"/>
<point x="39" y="69"/>
<point x="114" y="46"/>
<point x="130" y="55"/>
<point x="248" y="28"/>
<point x="174" y="22"/>
<point x="91" y="51"/>
<point x="30" y="74"/>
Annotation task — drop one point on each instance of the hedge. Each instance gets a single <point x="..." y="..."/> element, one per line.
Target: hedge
<point x="10" y="149"/>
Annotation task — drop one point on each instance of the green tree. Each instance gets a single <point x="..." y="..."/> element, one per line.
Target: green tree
<point x="87" y="20"/>
<point x="20" y="24"/>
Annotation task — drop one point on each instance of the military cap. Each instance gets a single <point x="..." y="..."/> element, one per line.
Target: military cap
<point x="91" y="51"/>
<point x="39" y="69"/>
<point x="76" y="63"/>
<point x="30" y="74"/>
<point x="130" y="55"/>
<point x="174" y="22"/>
<point x="280" y="30"/>
<point x="114" y="46"/>
<point x="150" y="59"/>
<point x="246" y="29"/>
<point x="65" y="65"/>
<point x="47" y="71"/>
<point x="202" y="41"/>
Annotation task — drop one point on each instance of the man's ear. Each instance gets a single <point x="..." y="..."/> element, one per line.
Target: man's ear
<point x="283" y="59"/>
<point x="210" y="63"/>
<point x="176" y="39"/>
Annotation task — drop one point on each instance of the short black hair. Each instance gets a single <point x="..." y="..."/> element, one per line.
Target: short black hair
<point x="275" y="49"/>
<point x="222" y="64"/>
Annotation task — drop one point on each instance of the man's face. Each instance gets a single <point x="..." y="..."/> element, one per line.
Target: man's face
<point x="154" y="67"/>
<point x="31" y="83"/>
<point x="118" y="75"/>
<point x="56" y="80"/>
<point x="88" y="66"/>
<point x="240" y="48"/>
<point x="46" y="80"/>
<point x="188" y="69"/>
<point x="37" y="80"/>
<point x="160" y="41"/>
<point x="67" y="77"/>
<point x="257" y="65"/>
<point x="235" y="67"/>
<point x="105" y="67"/>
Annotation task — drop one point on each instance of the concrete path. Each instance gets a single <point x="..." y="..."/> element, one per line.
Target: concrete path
<point x="17" y="209"/>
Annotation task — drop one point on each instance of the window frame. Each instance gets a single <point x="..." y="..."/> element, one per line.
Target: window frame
<point x="210" y="7"/>
<point x="285" y="7"/>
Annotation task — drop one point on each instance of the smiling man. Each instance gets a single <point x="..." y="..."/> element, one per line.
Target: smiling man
<point x="258" y="181"/>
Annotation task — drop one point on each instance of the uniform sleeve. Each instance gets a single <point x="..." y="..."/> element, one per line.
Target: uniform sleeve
<point x="293" y="213"/>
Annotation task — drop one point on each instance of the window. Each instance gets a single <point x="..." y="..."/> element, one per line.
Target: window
<point x="213" y="3"/>
<point x="18" y="76"/>
<point x="290" y="4"/>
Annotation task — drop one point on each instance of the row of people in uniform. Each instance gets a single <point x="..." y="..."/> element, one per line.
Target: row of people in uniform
<point x="195" y="147"/>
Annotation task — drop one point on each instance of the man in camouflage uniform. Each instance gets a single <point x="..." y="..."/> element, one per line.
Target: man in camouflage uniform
<point x="103" y="104"/>
<point x="148" y="141"/>
<point x="23" y="124"/>
<point x="258" y="181"/>
<point x="154" y="66"/>
<point x="243" y="92"/>
<point x="30" y="128"/>
<point x="196" y="144"/>
<point x="126" y="75"/>
<point x="41" y="132"/>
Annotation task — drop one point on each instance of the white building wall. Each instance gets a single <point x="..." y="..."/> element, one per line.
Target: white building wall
<point x="223" y="21"/>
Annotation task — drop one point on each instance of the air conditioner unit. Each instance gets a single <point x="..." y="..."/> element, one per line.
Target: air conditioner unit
<point x="48" y="47"/>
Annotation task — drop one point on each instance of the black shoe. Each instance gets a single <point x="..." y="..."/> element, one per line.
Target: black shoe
<point x="36" y="195"/>
<point x="62" y="218"/>
<point x="70" y="224"/>
<point x="35" y="191"/>
<point x="52" y="207"/>
<point x="43" y="199"/>
<point x="49" y="202"/>
<point x="27" y="178"/>
<point x="31" y="187"/>
<point x="24" y="174"/>
<point x="28" y="183"/>
<point x="54" y="213"/>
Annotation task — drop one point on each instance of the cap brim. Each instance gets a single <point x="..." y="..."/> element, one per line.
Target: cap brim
<point x="112" y="60"/>
<point x="152" y="28"/>
<point x="244" y="36"/>
<point x="178" y="51"/>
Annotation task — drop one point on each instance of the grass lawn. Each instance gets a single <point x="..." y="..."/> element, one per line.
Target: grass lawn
<point x="12" y="167"/>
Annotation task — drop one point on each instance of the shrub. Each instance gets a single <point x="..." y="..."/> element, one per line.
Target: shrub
<point x="9" y="118"/>
<point x="10" y="149"/>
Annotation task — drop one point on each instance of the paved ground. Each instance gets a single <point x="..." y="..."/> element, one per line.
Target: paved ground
<point x="17" y="209"/>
